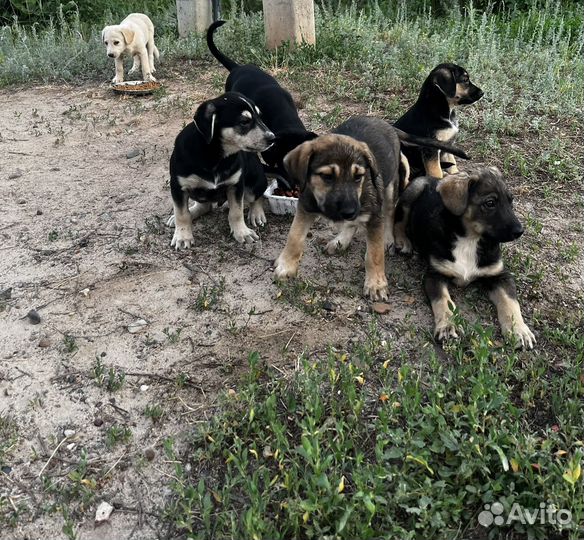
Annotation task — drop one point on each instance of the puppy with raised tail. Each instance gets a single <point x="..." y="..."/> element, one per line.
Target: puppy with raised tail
<point x="458" y="225"/>
<point x="215" y="160"/>
<point x="134" y="37"/>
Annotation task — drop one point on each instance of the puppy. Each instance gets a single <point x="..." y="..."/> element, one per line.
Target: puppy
<point x="134" y="36"/>
<point x="457" y="225"/>
<point x="213" y="161"/>
<point x="349" y="176"/>
<point x="277" y="106"/>
<point x="433" y="115"/>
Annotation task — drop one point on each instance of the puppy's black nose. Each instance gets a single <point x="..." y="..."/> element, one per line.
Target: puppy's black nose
<point x="349" y="212"/>
<point x="517" y="231"/>
<point x="480" y="94"/>
<point x="269" y="136"/>
<point x="111" y="55"/>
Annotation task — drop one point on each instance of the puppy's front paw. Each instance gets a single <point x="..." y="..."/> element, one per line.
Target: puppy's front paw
<point x="285" y="268"/>
<point x="445" y="330"/>
<point x="257" y="217"/>
<point x="243" y="234"/>
<point x="524" y="338"/>
<point x="376" y="289"/>
<point x="117" y="80"/>
<point x="149" y="77"/>
<point x="183" y="238"/>
<point x="333" y="246"/>
<point x="403" y="246"/>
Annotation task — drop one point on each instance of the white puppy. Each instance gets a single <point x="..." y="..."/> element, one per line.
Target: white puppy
<point x="134" y="36"/>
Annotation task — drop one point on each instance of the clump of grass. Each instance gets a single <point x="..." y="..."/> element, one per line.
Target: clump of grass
<point x="350" y="447"/>
<point x="154" y="411"/>
<point x="110" y="378"/>
<point x="209" y="295"/>
<point x="117" y="435"/>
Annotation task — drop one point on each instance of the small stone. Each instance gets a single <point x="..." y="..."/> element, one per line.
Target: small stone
<point x="69" y="433"/>
<point x="327" y="305"/>
<point x="144" y="387"/>
<point x="6" y="469"/>
<point x="98" y="422"/>
<point x="137" y="326"/>
<point x="44" y="342"/>
<point x="71" y="446"/>
<point x="135" y="152"/>
<point x="103" y="512"/>
<point x="39" y="212"/>
<point x="149" y="454"/>
<point x="381" y="307"/>
<point x="21" y="201"/>
<point x="33" y="316"/>
<point x="16" y="174"/>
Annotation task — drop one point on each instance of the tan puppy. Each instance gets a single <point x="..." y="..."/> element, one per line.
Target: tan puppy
<point x="134" y="36"/>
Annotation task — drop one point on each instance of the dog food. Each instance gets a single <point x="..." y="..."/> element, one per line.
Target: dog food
<point x="136" y="87"/>
<point x="286" y="193"/>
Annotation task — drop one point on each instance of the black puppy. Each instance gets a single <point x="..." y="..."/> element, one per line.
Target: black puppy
<point x="276" y="104"/>
<point x="457" y="225"/>
<point x="213" y="161"/>
<point x="433" y="116"/>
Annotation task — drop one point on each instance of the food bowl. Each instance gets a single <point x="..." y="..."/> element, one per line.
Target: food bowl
<point x="136" y="88"/>
<point x="280" y="204"/>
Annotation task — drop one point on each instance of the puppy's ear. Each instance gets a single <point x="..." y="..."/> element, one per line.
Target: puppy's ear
<point x="296" y="163"/>
<point x="370" y="159"/>
<point x="444" y="80"/>
<point x="103" y="35"/>
<point x="454" y="192"/>
<point x="205" y="120"/>
<point x="128" y="35"/>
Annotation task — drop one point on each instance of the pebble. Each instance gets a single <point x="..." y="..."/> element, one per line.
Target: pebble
<point x="149" y="454"/>
<point x="44" y="342"/>
<point x="6" y="469"/>
<point x="135" y="152"/>
<point x="381" y="308"/>
<point x="21" y="201"/>
<point x="103" y="512"/>
<point x="33" y="316"/>
<point x="144" y="387"/>
<point x="69" y="433"/>
<point x="16" y="174"/>
<point x="137" y="326"/>
<point x="39" y="212"/>
<point x="98" y="422"/>
<point x="327" y="305"/>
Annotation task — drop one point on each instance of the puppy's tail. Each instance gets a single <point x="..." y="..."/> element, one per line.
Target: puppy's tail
<point x="414" y="140"/>
<point x="227" y="62"/>
<point x="156" y="53"/>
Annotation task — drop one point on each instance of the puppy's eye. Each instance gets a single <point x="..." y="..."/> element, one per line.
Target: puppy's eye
<point x="490" y="204"/>
<point x="105" y="42"/>
<point x="245" y="121"/>
<point x="328" y="178"/>
<point x="116" y="42"/>
<point x="359" y="177"/>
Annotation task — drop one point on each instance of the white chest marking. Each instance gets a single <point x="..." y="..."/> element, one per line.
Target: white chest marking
<point x="464" y="268"/>
<point x="196" y="182"/>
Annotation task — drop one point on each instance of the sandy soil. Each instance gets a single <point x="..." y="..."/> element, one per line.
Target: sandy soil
<point x="83" y="241"/>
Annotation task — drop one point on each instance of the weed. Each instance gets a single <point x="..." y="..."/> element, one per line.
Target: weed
<point x="173" y="337"/>
<point x="110" y="378"/>
<point x="209" y="296"/>
<point x="117" y="434"/>
<point x="53" y="235"/>
<point x="154" y="412"/>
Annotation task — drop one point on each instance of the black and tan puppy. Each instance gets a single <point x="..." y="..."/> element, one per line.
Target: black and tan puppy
<point x="457" y="225"/>
<point x="214" y="160"/>
<point x="433" y="115"/>
<point x="349" y="176"/>
<point x="276" y="104"/>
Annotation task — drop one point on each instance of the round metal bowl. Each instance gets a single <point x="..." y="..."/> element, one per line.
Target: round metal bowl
<point x="136" y="88"/>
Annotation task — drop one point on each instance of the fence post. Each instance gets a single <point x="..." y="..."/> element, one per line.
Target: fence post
<point x="193" y="16"/>
<point x="289" y="20"/>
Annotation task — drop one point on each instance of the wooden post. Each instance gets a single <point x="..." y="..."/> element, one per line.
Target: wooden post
<point x="289" y="20"/>
<point x="193" y="16"/>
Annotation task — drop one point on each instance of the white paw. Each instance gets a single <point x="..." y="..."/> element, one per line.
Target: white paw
<point x="404" y="246"/>
<point x="445" y="330"/>
<point x="149" y="77"/>
<point x="523" y="336"/>
<point x="257" y="217"/>
<point x="285" y="269"/>
<point x="376" y="290"/>
<point x="183" y="238"/>
<point x="153" y="69"/>
<point x="117" y="80"/>
<point x="243" y="234"/>
<point x="333" y="246"/>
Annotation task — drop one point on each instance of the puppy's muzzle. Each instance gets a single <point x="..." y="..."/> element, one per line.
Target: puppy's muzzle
<point x="269" y="139"/>
<point x="111" y="55"/>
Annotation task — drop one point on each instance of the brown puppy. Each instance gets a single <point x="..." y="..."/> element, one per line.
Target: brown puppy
<point x="458" y="225"/>
<point x="349" y="176"/>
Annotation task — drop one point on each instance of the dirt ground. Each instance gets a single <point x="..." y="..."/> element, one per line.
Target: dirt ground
<point x="83" y="240"/>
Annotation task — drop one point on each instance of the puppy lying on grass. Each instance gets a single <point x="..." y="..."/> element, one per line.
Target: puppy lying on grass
<point x="134" y="36"/>
<point x="458" y="224"/>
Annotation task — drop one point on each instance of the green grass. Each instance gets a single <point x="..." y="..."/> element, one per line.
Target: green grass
<point x="367" y="443"/>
